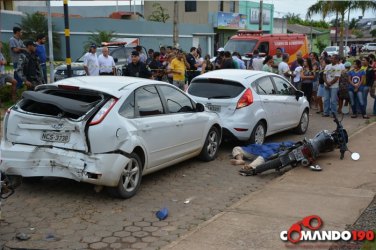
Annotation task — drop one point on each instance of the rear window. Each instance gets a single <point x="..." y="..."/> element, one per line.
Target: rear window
<point x="61" y="103"/>
<point x="215" y="88"/>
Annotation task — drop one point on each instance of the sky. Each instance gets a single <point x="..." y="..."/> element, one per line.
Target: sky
<point x="281" y="7"/>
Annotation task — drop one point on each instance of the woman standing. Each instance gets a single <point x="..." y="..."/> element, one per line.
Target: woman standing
<point x="307" y="77"/>
<point x="356" y="77"/>
<point x="268" y="62"/>
<point x="343" y="93"/>
<point x="316" y="68"/>
<point x="207" y="65"/>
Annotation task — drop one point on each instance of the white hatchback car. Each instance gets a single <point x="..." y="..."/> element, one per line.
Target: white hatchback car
<point x="106" y="130"/>
<point x="251" y="104"/>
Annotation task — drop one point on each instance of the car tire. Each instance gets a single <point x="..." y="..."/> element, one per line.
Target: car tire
<point x="130" y="179"/>
<point x="258" y="134"/>
<point x="210" y="149"/>
<point x="303" y="123"/>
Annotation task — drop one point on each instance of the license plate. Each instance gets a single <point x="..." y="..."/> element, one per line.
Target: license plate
<point x="214" y="108"/>
<point x="61" y="137"/>
<point x="298" y="154"/>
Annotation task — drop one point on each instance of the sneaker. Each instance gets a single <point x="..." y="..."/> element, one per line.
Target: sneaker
<point x="365" y="117"/>
<point x="354" y="116"/>
<point x="325" y="115"/>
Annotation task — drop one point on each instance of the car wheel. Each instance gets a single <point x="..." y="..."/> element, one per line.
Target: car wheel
<point x="130" y="179"/>
<point x="258" y="134"/>
<point x="303" y="123"/>
<point x="210" y="149"/>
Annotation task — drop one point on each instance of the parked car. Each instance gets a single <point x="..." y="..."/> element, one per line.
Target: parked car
<point x="334" y="50"/>
<point x="251" y="104"/>
<point x="369" y="47"/>
<point x="106" y="130"/>
<point x="120" y="52"/>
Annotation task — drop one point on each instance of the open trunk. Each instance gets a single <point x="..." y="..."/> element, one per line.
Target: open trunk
<point x="53" y="117"/>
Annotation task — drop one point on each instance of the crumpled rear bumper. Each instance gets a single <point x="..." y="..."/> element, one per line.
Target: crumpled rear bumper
<point x="28" y="161"/>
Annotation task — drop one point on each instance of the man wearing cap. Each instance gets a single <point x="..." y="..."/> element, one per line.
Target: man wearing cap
<point x="137" y="68"/>
<point x="28" y="66"/>
<point x="16" y="48"/>
<point x="106" y="63"/>
<point x="91" y="64"/>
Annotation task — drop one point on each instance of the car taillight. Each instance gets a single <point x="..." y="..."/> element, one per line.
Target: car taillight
<point x="245" y="100"/>
<point x="101" y="114"/>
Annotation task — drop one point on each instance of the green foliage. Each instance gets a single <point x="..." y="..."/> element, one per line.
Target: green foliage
<point x="357" y="33"/>
<point x="6" y="94"/>
<point x="353" y="23"/>
<point x="295" y="19"/>
<point x="320" y="45"/>
<point x="6" y="52"/>
<point x="373" y="33"/>
<point x="37" y="23"/>
<point x="159" y="14"/>
<point x="98" y="37"/>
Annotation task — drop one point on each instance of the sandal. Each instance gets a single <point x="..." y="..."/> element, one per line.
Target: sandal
<point x="354" y="116"/>
<point x="365" y="117"/>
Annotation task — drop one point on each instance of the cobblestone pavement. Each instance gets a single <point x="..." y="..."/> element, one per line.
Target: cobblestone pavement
<point x="63" y="214"/>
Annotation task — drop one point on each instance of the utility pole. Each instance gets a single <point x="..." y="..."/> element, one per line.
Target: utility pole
<point x="175" y="24"/>
<point x="68" y="59"/>
<point x="50" y="42"/>
<point x="260" y="17"/>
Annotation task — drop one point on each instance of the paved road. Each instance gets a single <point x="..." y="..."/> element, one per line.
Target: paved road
<point x="63" y="214"/>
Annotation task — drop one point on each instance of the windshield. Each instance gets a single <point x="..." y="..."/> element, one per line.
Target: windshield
<point x="215" y="88"/>
<point x="241" y="46"/>
<point x="331" y="49"/>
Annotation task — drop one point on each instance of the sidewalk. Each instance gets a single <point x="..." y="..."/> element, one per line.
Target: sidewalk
<point x="338" y="194"/>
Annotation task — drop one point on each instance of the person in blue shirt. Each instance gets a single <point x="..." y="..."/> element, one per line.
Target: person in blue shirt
<point x="41" y="54"/>
<point x="355" y="88"/>
<point x="257" y="153"/>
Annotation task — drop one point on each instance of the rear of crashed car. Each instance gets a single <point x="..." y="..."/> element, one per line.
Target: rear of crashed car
<point x="72" y="130"/>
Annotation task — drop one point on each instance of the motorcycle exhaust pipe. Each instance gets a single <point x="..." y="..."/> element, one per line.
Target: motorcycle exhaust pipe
<point x="305" y="162"/>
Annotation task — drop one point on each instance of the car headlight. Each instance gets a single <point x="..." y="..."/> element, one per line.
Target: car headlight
<point x="80" y="72"/>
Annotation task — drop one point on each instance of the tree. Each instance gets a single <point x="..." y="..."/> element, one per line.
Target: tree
<point x="159" y="14"/>
<point x="353" y="23"/>
<point x="98" y="37"/>
<point x="373" y="33"/>
<point x="339" y="8"/>
<point x="36" y="23"/>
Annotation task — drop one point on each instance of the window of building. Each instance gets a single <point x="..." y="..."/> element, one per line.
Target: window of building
<point x="232" y="6"/>
<point x="220" y="5"/>
<point x="190" y="6"/>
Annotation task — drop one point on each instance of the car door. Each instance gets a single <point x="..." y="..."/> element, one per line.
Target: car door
<point x="158" y="132"/>
<point x="190" y="125"/>
<point x="270" y="102"/>
<point x="120" y="59"/>
<point x="289" y="104"/>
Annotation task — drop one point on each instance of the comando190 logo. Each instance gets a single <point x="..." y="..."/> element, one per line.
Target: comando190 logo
<point x="313" y="222"/>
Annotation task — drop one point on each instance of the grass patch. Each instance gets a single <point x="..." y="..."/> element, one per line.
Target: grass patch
<point x="369" y="245"/>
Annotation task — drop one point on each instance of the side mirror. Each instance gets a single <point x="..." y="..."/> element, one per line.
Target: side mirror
<point x="115" y="60"/>
<point x="299" y="94"/>
<point x="200" y="107"/>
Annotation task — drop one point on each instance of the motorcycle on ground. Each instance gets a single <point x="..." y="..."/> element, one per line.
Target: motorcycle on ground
<point x="306" y="151"/>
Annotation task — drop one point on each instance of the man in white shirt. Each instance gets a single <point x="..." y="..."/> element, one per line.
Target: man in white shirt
<point x="91" y="65"/>
<point x="283" y="67"/>
<point x="332" y="74"/>
<point x="297" y="73"/>
<point x="106" y="63"/>
<point x="257" y="61"/>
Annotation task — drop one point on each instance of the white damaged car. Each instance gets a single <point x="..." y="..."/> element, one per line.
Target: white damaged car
<point x="106" y="130"/>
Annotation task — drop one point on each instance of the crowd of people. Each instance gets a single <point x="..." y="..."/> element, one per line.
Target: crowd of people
<point x="330" y="84"/>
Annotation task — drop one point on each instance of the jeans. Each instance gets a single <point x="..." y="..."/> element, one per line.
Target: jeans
<point x="19" y="80"/>
<point x="359" y="96"/>
<point x="44" y="71"/>
<point x="374" y="107"/>
<point x="330" y="101"/>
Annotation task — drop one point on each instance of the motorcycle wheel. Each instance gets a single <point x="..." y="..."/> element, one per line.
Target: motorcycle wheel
<point x="272" y="164"/>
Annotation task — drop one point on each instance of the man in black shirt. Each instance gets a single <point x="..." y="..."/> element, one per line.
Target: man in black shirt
<point x="191" y="59"/>
<point x="137" y="68"/>
<point x="227" y="62"/>
<point x="156" y="67"/>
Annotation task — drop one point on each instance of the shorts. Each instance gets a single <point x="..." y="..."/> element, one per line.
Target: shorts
<point x="321" y="90"/>
<point x="4" y="78"/>
<point x="179" y="84"/>
<point x="315" y="87"/>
